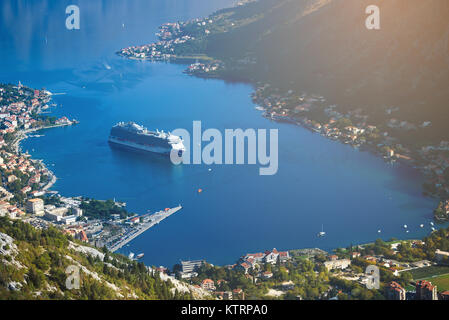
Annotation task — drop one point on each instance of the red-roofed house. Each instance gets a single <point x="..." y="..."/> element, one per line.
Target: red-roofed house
<point x="219" y="282"/>
<point x="444" y="295"/>
<point x="26" y="189"/>
<point x="208" y="284"/>
<point x="396" y="291"/>
<point x="284" y="256"/>
<point x="256" y="256"/>
<point x="245" y="266"/>
<point x="135" y="220"/>
<point x="83" y="236"/>
<point x="267" y="274"/>
<point x="271" y="256"/>
<point x="425" y="290"/>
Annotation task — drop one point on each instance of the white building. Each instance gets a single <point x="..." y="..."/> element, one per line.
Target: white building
<point x="69" y="219"/>
<point x="35" y="206"/>
<point x="77" y="211"/>
<point x="337" y="264"/>
<point x="190" y="266"/>
<point x="440" y="255"/>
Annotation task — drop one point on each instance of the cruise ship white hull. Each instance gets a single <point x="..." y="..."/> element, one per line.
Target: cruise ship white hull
<point x="137" y="146"/>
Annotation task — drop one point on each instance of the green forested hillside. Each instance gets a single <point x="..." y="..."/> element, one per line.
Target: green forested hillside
<point x="323" y="46"/>
<point x="33" y="264"/>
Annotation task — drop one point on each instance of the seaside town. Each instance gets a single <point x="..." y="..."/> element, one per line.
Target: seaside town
<point x="24" y="180"/>
<point x="411" y="269"/>
<point x="408" y="270"/>
<point x="163" y="50"/>
<point x="178" y="39"/>
<point x="353" y="128"/>
<point x="25" y="190"/>
<point x="22" y="177"/>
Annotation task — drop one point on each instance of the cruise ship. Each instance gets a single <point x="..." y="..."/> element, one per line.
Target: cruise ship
<point x="138" y="137"/>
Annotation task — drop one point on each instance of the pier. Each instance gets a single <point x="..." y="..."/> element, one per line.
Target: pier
<point x="147" y="221"/>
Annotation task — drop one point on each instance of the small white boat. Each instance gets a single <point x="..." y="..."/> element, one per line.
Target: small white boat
<point x="140" y="255"/>
<point x="433" y="229"/>
<point x="405" y="226"/>
<point x="421" y="225"/>
<point x="131" y="255"/>
<point x="379" y="231"/>
<point x="431" y="223"/>
<point x="322" y="233"/>
<point x="407" y="231"/>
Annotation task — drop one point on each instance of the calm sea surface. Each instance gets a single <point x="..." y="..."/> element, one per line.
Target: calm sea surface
<point x="319" y="182"/>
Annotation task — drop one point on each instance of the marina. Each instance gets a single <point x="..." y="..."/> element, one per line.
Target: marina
<point x="146" y="222"/>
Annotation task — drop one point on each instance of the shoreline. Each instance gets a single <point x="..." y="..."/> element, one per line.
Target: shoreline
<point x="383" y="141"/>
<point x="370" y="148"/>
<point x="23" y="134"/>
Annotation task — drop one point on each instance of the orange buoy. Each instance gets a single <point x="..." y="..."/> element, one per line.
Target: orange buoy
<point x="200" y="190"/>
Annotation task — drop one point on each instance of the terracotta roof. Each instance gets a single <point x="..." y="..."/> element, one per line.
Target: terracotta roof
<point x="425" y="284"/>
<point x="396" y="286"/>
<point x="258" y="254"/>
<point x="207" y="281"/>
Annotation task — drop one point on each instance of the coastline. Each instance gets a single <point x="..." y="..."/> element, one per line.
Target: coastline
<point x="265" y="112"/>
<point x="23" y="134"/>
<point x="240" y="236"/>
<point x="176" y="37"/>
<point x="37" y="129"/>
<point x="253" y="83"/>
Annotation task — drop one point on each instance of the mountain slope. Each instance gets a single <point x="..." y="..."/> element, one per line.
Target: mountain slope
<point x="323" y="46"/>
<point x="33" y="265"/>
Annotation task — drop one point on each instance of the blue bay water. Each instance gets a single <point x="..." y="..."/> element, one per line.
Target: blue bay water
<point x="319" y="182"/>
